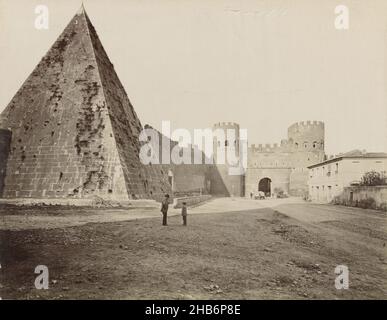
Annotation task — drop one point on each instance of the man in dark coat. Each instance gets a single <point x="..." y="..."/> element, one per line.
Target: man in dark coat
<point x="184" y="213"/>
<point x="164" y="209"/>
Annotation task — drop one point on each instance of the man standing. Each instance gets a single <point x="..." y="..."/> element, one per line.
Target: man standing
<point x="184" y="213"/>
<point x="164" y="209"/>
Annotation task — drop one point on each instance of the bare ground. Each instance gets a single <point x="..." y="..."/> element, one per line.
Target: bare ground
<point x="266" y="250"/>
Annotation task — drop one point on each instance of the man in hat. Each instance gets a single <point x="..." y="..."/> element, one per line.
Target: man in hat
<point x="164" y="209"/>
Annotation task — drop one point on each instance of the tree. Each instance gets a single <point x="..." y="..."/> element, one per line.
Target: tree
<point x="373" y="178"/>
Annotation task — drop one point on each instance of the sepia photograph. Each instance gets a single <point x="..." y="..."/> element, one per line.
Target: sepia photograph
<point x="215" y="151"/>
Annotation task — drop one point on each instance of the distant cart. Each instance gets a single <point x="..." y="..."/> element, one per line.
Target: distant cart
<point x="260" y="196"/>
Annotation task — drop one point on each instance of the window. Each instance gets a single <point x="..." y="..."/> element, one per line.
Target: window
<point x="226" y="143"/>
<point x="337" y="168"/>
<point x="314" y="144"/>
<point x="296" y="145"/>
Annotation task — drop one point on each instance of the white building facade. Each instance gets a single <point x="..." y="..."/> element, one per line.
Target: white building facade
<point x="327" y="179"/>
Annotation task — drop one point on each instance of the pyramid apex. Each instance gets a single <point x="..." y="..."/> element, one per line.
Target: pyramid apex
<point x="81" y="10"/>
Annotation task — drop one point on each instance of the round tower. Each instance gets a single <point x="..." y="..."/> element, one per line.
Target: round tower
<point x="226" y="145"/>
<point x="307" y="135"/>
<point x="306" y="143"/>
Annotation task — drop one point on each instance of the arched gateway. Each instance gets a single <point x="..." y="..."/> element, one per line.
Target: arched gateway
<point x="264" y="185"/>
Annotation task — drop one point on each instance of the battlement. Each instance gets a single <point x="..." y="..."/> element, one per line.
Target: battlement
<point x="274" y="147"/>
<point x="303" y="125"/>
<point x="226" y="125"/>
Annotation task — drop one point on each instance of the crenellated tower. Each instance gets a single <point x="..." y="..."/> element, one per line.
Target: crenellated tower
<point x="306" y="143"/>
<point x="307" y="136"/>
<point x="226" y="146"/>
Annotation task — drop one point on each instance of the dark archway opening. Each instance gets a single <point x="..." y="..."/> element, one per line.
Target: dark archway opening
<point x="265" y="186"/>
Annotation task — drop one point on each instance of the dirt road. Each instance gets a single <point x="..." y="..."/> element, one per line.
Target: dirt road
<point x="231" y="249"/>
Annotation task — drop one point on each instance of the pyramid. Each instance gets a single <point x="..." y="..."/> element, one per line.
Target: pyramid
<point x="74" y="130"/>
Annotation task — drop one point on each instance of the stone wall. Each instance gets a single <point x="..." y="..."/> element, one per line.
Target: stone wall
<point x="5" y="143"/>
<point x="191" y="179"/>
<point x="190" y="200"/>
<point x="298" y="182"/>
<point x="361" y="196"/>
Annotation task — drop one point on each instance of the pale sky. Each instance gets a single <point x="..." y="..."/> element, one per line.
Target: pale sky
<point x="264" y="64"/>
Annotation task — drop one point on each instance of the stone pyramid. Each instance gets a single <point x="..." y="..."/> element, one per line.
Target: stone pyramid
<point x="74" y="130"/>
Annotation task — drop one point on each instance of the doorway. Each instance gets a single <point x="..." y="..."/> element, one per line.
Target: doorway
<point x="264" y="185"/>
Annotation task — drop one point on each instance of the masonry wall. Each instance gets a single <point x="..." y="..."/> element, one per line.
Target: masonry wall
<point x="185" y="178"/>
<point x="353" y="196"/>
<point x="298" y="182"/>
<point x="192" y="179"/>
<point x="5" y="143"/>
<point x="191" y="200"/>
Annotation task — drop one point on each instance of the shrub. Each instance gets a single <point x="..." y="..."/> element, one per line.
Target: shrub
<point x="367" y="203"/>
<point x="373" y="178"/>
<point x="337" y="200"/>
<point x="383" y="206"/>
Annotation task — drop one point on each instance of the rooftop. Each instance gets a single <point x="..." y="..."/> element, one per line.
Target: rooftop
<point x="354" y="154"/>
